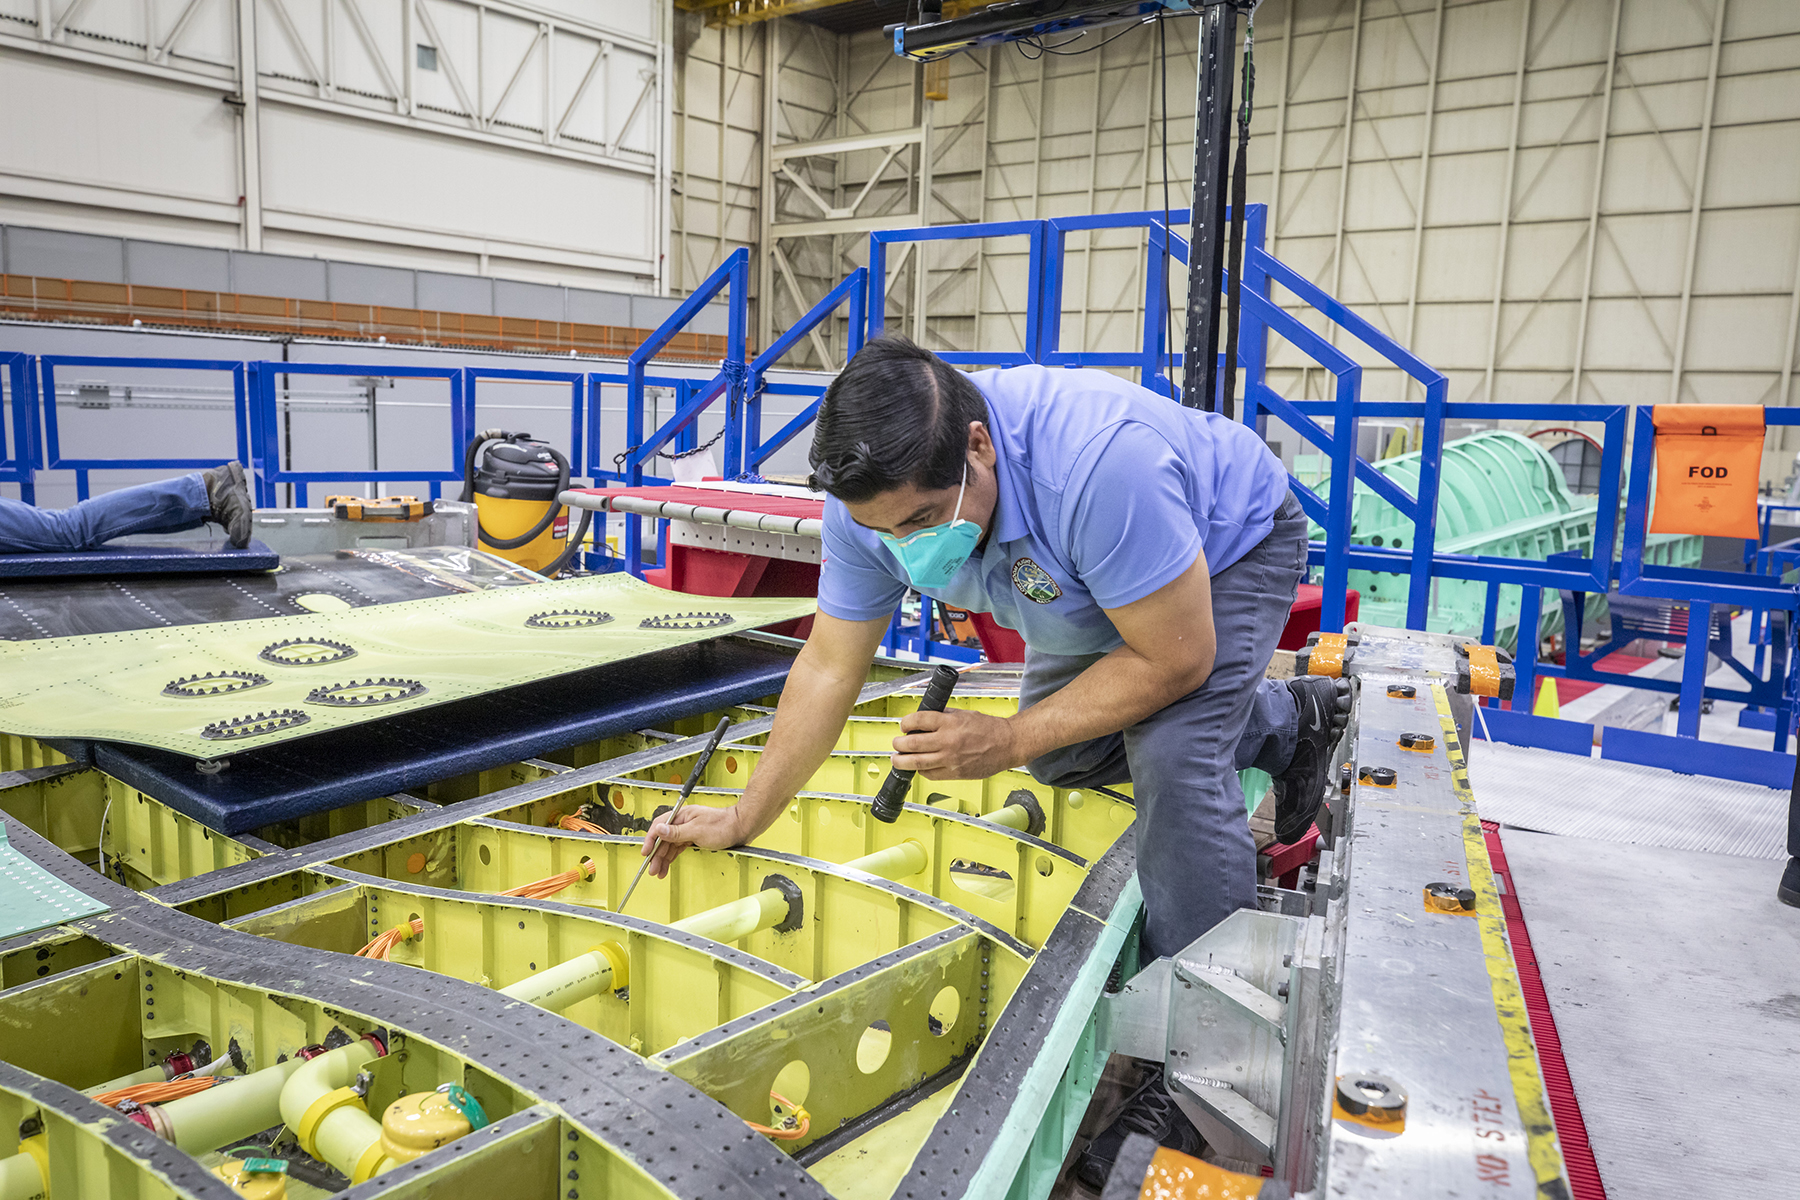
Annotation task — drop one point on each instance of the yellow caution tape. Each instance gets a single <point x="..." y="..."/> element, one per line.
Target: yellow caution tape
<point x="1542" y="1148"/>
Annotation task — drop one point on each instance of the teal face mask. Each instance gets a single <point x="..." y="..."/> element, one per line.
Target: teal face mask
<point x="933" y="555"/>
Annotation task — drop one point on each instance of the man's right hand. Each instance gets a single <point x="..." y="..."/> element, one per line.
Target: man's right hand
<point x="820" y="691"/>
<point x="696" y="825"/>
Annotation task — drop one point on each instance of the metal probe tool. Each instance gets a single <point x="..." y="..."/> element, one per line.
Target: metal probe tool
<point x="687" y="789"/>
<point x="892" y="796"/>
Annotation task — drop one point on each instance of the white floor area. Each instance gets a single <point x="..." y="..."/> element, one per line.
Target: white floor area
<point x="1620" y="802"/>
<point x="1674" y="977"/>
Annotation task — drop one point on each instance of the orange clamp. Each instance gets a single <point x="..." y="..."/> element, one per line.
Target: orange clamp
<point x="1484" y="670"/>
<point x="1326" y="656"/>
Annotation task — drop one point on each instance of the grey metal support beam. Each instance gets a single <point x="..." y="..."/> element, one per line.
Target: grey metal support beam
<point x="1593" y="228"/>
<point x="1694" y="208"/>
<point x="1418" y="238"/>
<point x="249" y="121"/>
<point x="1504" y="240"/>
<point x="1280" y="154"/>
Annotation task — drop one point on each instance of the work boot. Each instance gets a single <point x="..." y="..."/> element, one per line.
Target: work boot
<point x="1150" y="1111"/>
<point x="1324" y="711"/>
<point x="229" y="496"/>
<point x="1789" y="888"/>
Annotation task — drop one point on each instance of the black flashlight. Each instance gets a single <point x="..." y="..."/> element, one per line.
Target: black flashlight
<point x="892" y="796"/>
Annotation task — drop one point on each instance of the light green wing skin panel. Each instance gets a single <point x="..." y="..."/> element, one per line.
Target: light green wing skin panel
<point x="31" y="898"/>
<point x="210" y="690"/>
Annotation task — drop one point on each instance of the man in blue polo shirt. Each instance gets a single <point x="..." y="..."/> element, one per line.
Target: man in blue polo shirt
<point x="1148" y="555"/>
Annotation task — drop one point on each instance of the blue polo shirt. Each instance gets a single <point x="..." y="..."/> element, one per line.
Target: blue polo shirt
<point x="1107" y="493"/>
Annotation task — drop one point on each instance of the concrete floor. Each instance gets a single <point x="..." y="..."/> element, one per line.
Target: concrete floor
<point x="1674" y="978"/>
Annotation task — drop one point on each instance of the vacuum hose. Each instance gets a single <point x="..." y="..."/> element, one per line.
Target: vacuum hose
<point x="477" y="446"/>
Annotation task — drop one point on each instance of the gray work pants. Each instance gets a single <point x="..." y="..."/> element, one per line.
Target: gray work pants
<point x="1195" y="859"/>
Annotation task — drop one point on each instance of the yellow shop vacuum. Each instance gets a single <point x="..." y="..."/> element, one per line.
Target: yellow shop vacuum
<point x="514" y="482"/>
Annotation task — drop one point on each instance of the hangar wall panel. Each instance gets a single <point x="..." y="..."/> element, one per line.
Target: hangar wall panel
<point x="1547" y="199"/>
<point x="523" y="140"/>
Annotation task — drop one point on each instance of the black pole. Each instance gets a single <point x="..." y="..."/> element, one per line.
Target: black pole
<point x="1206" y="242"/>
<point x="1239" y="172"/>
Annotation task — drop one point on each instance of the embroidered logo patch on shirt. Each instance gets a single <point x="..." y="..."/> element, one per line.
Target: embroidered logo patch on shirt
<point x="1034" y="583"/>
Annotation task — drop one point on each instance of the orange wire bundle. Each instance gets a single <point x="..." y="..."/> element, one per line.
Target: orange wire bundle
<point x="157" y="1093"/>
<point x="543" y="889"/>
<point x="385" y="941"/>
<point x="786" y="1133"/>
<point x="575" y="824"/>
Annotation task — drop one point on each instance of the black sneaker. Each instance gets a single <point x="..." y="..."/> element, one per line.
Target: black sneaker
<point x="1789" y="889"/>
<point x="229" y="496"/>
<point x="1324" y="710"/>
<point x="1150" y="1111"/>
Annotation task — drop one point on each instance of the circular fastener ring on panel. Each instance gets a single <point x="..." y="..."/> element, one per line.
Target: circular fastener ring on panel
<point x="1402" y="691"/>
<point x="254" y="724"/>
<point x="1422" y="743"/>
<point x="571" y="618"/>
<point x="306" y="652"/>
<point x="1381" y="777"/>
<point x="213" y="683"/>
<point x="684" y="621"/>
<point x="1372" y="1100"/>
<point x="369" y="691"/>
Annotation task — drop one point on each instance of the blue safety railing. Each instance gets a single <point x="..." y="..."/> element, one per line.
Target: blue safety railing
<point x="1615" y="564"/>
<point x="1036" y="234"/>
<point x="578" y="382"/>
<point x="265" y="429"/>
<point x="852" y="294"/>
<point x="19" y="450"/>
<point x="54" y="459"/>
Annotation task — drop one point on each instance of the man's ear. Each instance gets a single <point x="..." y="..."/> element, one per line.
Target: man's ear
<point x="982" y="443"/>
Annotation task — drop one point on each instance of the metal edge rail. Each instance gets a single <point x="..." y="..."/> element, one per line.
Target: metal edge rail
<point x="669" y="510"/>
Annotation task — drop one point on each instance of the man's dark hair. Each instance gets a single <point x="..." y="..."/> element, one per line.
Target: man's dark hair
<point x="896" y="414"/>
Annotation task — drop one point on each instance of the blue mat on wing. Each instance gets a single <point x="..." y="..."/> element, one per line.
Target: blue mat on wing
<point x="140" y="560"/>
<point x="408" y="752"/>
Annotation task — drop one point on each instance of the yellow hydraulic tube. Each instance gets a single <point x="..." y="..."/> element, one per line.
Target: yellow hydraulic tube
<point x="567" y="983"/>
<point x="1013" y="816"/>
<point x="896" y="862"/>
<point x="585" y="975"/>
<point x="26" y="1175"/>
<point x="230" y="1111"/>
<point x="739" y="919"/>
<point x="329" y="1118"/>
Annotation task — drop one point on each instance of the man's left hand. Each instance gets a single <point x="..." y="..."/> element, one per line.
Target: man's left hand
<point x="956" y="744"/>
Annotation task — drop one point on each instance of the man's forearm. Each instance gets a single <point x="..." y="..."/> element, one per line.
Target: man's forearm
<point x="1116" y="692"/>
<point x="811" y="713"/>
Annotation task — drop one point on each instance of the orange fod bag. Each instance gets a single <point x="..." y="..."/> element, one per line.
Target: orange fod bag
<point x="1708" y="464"/>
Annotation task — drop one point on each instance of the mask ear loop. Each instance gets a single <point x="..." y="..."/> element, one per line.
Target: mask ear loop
<point x="956" y="515"/>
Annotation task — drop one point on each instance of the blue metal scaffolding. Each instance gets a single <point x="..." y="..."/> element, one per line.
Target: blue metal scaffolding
<point x="1275" y="298"/>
